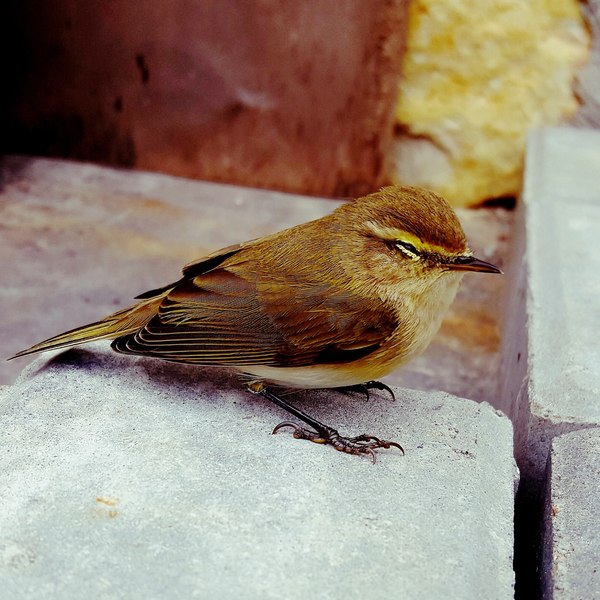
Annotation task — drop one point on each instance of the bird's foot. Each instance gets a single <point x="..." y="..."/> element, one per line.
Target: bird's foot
<point x="364" y="388"/>
<point x="360" y="444"/>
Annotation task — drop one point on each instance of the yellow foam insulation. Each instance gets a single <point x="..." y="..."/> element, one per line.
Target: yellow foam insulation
<point x="477" y="77"/>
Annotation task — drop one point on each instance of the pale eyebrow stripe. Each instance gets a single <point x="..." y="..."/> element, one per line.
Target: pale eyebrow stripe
<point x="394" y="234"/>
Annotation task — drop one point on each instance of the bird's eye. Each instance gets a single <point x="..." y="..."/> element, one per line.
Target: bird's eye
<point x="407" y="249"/>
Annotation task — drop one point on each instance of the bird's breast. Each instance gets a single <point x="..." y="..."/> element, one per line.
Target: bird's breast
<point x="418" y="320"/>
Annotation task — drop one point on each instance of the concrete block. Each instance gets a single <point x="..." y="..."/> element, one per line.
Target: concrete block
<point x="550" y="362"/>
<point x="571" y="537"/>
<point x="126" y="477"/>
<point x="559" y="295"/>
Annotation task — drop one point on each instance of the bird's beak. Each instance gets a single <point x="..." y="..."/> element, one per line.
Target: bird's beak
<point x="470" y="263"/>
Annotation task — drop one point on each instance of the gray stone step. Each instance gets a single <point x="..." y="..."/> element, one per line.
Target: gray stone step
<point x="571" y="557"/>
<point x="562" y="214"/>
<point x="123" y="477"/>
<point x="551" y="361"/>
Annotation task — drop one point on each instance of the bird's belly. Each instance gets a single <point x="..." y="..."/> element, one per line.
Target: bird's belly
<point x="375" y="365"/>
<point x="319" y="376"/>
<point x="421" y="323"/>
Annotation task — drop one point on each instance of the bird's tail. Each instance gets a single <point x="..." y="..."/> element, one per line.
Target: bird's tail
<point x="120" y="323"/>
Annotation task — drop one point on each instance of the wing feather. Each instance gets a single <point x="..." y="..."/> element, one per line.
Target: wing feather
<point x="223" y="318"/>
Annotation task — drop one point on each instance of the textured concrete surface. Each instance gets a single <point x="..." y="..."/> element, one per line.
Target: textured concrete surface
<point x="124" y="477"/>
<point x="571" y="517"/>
<point x="79" y="241"/>
<point x="562" y="215"/>
<point x="550" y="361"/>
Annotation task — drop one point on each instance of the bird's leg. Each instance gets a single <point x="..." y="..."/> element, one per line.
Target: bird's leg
<point x="364" y="388"/>
<point x="322" y="434"/>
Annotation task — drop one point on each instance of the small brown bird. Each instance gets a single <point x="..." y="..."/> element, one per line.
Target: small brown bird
<point x="334" y="303"/>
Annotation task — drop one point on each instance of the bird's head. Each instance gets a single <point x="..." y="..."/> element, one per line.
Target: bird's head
<point x="410" y="236"/>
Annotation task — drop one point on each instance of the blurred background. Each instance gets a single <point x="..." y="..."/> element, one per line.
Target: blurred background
<point x="322" y="98"/>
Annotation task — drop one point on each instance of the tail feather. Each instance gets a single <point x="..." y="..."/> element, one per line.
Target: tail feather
<point x="123" y="322"/>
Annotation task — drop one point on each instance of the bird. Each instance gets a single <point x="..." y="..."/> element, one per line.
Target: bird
<point x="338" y="302"/>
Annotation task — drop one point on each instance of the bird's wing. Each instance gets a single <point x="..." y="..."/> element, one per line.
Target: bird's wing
<point x="222" y="318"/>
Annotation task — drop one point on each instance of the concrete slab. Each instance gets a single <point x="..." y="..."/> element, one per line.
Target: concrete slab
<point x="125" y="477"/>
<point x="571" y="536"/>
<point x="79" y="241"/>
<point x="559" y="296"/>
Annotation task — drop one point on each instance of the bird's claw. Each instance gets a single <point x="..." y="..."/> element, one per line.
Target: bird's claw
<point x="364" y="388"/>
<point x="379" y="385"/>
<point x="360" y="444"/>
